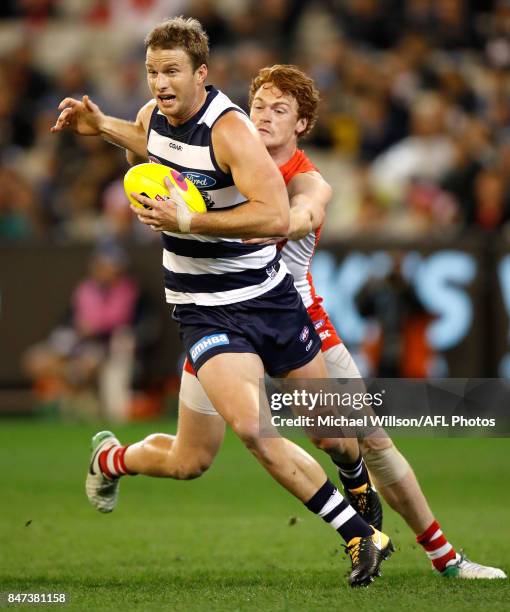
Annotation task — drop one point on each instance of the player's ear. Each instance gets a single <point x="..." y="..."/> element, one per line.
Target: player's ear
<point x="201" y="73"/>
<point x="301" y="126"/>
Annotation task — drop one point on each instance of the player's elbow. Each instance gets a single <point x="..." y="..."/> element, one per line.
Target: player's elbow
<point x="133" y="158"/>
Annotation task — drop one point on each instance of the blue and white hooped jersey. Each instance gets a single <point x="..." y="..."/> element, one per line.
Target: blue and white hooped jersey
<point x="206" y="270"/>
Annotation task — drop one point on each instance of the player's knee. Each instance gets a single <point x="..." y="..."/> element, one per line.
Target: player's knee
<point x="385" y="463"/>
<point x="249" y="434"/>
<point x="332" y="446"/>
<point x="193" y="469"/>
<point x="374" y="443"/>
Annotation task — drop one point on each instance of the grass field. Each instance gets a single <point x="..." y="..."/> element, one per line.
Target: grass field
<point x="226" y="541"/>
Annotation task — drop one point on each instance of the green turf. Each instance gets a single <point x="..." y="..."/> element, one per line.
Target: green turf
<point x="225" y="541"/>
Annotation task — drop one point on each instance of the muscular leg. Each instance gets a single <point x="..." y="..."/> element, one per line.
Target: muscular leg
<point x="232" y="383"/>
<point x="186" y="455"/>
<point x="396" y="482"/>
<point x="183" y="456"/>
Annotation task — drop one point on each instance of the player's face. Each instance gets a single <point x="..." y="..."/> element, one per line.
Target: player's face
<point x="176" y="87"/>
<point x="275" y="115"/>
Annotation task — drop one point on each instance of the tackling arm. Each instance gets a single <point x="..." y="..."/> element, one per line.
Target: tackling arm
<point x="309" y="195"/>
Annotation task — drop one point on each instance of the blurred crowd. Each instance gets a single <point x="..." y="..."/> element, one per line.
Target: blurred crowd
<point x="414" y="128"/>
<point x="90" y="363"/>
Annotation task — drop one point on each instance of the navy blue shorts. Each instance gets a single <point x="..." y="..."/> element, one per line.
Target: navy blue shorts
<point x="275" y="326"/>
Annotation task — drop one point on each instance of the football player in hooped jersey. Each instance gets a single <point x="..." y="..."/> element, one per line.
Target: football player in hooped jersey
<point x="236" y="305"/>
<point x="283" y="108"/>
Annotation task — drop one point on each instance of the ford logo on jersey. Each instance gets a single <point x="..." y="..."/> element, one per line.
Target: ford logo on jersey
<point x="206" y="343"/>
<point x="202" y="181"/>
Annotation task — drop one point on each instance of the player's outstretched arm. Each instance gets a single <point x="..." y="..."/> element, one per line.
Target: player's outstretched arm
<point x="86" y="118"/>
<point x="309" y="194"/>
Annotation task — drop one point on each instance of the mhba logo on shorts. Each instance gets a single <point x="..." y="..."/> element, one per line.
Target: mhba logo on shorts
<point x="202" y="181"/>
<point x="206" y="343"/>
<point x="305" y="332"/>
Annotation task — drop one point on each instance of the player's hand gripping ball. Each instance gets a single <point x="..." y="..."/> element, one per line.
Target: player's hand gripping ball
<point x="149" y="181"/>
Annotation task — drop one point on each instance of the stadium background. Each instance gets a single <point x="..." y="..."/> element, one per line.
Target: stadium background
<point x="414" y="136"/>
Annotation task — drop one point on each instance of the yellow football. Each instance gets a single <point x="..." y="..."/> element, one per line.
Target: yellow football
<point x="148" y="180"/>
